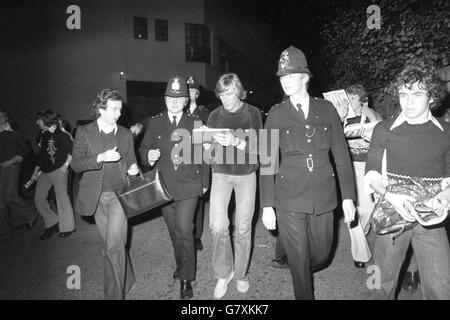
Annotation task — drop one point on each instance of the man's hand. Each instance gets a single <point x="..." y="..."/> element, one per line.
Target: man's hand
<point x="441" y="201"/>
<point x="10" y="162"/>
<point x="204" y="190"/>
<point x="153" y="155"/>
<point x="398" y="202"/>
<point x="349" y="210"/>
<point x="269" y="218"/>
<point x="109" y="156"/>
<point x="227" y="139"/>
<point x="133" y="170"/>
<point x="136" y="129"/>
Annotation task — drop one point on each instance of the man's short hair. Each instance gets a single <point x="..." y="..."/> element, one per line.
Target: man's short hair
<point x="226" y="81"/>
<point x="422" y="73"/>
<point x="48" y="117"/>
<point x="102" y="99"/>
<point x="358" y="90"/>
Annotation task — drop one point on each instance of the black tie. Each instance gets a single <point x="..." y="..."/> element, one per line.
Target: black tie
<point x="174" y="121"/>
<point x="300" y="111"/>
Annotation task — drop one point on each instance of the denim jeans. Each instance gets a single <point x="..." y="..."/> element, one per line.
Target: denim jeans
<point x="12" y="205"/>
<point x="64" y="217"/>
<point x="432" y="251"/>
<point x="244" y="188"/>
<point x="112" y="225"/>
<point x="365" y="202"/>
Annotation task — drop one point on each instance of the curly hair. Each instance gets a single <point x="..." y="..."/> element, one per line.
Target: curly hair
<point x="102" y="99"/>
<point x="358" y="90"/>
<point x="48" y="117"/>
<point x="422" y="73"/>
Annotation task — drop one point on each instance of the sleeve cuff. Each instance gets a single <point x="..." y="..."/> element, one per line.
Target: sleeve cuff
<point x="368" y="178"/>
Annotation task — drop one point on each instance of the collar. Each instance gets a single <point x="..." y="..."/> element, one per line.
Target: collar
<point x="171" y="115"/>
<point x="304" y="102"/>
<point x="192" y="108"/>
<point x="105" y="128"/>
<point x="402" y="119"/>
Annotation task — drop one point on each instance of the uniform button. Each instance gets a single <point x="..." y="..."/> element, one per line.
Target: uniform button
<point x="311" y="169"/>
<point x="310" y="155"/>
<point x="159" y="137"/>
<point x="325" y="128"/>
<point x="309" y="140"/>
<point x="287" y="131"/>
<point x="307" y="126"/>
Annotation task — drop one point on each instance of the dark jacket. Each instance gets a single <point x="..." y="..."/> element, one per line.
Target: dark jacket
<point x="183" y="180"/>
<point x="201" y="111"/>
<point x="305" y="181"/>
<point x="86" y="148"/>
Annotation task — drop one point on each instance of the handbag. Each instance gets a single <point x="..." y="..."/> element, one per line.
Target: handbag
<point x="143" y="193"/>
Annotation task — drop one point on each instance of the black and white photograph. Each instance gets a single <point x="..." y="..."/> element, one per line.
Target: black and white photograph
<point x="225" y="155"/>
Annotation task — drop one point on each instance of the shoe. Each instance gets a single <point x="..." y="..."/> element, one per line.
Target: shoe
<point x="176" y="276"/>
<point x="411" y="281"/>
<point x="243" y="286"/>
<point x="222" y="286"/>
<point x="281" y="263"/>
<point x="198" y="244"/>
<point x="359" y="264"/>
<point x="50" y="231"/>
<point x="66" y="234"/>
<point x="186" y="291"/>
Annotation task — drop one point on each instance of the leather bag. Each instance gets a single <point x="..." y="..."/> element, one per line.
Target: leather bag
<point x="143" y="193"/>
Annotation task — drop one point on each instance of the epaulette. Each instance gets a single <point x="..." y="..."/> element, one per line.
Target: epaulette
<point x="157" y="115"/>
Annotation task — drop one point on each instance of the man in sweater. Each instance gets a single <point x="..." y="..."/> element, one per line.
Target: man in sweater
<point x="414" y="145"/>
<point x="13" y="149"/>
<point x="234" y="166"/>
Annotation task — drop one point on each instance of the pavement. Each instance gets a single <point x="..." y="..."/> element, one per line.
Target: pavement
<point x="33" y="269"/>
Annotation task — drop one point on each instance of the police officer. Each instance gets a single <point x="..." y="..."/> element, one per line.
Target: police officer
<point x="303" y="189"/>
<point x="185" y="181"/>
<point x="202" y="113"/>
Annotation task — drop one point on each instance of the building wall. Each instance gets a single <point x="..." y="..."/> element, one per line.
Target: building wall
<point x="48" y="66"/>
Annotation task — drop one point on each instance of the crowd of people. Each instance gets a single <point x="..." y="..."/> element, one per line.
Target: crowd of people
<point x="316" y="166"/>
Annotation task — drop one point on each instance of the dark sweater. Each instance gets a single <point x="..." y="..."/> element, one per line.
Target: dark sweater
<point x="112" y="177"/>
<point x="54" y="150"/>
<point x="12" y="144"/>
<point x="247" y="117"/>
<point x="420" y="150"/>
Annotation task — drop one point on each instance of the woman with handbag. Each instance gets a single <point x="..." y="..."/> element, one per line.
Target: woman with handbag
<point x="185" y="180"/>
<point x="408" y="165"/>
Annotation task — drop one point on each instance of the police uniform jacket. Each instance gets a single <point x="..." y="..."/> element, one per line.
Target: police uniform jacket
<point x="183" y="181"/>
<point x="305" y="180"/>
<point x="201" y="112"/>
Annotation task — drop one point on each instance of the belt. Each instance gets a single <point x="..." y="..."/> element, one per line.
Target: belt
<point x="306" y="161"/>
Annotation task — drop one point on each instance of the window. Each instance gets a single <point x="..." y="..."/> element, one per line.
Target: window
<point x="198" y="43"/>
<point x="161" y="30"/>
<point x="140" y="28"/>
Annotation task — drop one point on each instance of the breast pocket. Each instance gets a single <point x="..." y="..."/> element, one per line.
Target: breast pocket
<point x="322" y="136"/>
<point x="289" y="140"/>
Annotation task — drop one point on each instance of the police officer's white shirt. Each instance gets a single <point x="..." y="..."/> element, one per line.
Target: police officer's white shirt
<point x="192" y="108"/>
<point x="171" y="115"/>
<point x="304" y="102"/>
